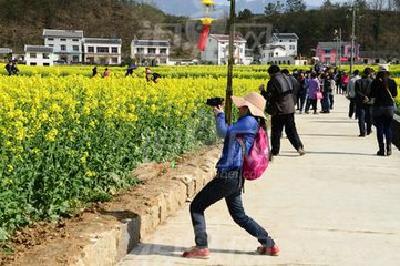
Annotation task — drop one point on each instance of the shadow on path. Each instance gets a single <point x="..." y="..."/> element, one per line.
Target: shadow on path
<point x="175" y="251"/>
<point x="328" y="135"/>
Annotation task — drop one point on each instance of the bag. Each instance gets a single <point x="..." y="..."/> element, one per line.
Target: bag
<point x="256" y="162"/>
<point x="319" y="95"/>
<point x="391" y="97"/>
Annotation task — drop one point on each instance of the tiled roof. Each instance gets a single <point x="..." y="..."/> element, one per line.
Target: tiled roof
<point x="62" y="33"/>
<point x="38" y="48"/>
<point x="286" y="36"/>
<point x="103" y="40"/>
<point x="330" y="45"/>
<point x="225" y="38"/>
<point x="151" y="42"/>
<point x="5" y="50"/>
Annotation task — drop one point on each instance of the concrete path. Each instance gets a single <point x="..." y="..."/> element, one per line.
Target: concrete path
<point x="338" y="205"/>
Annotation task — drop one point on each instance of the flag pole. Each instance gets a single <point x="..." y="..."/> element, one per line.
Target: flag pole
<point x="231" y="61"/>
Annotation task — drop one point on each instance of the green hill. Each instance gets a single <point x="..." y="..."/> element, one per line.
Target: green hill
<point x="22" y="21"/>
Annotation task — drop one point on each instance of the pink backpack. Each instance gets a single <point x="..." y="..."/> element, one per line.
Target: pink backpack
<point x="256" y="163"/>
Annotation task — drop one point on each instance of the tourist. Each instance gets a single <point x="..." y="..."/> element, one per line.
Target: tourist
<point x="351" y="93"/>
<point x="106" y="73"/>
<point x="228" y="182"/>
<point x="363" y="107"/>
<point x="314" y="87"/>
<point x="281" y="108"/>
<point x="383" y="93"/>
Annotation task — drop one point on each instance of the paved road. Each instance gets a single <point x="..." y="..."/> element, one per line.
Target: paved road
<point x="338" y="205"/>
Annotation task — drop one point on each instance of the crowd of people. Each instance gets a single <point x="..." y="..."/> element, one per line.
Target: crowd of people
<point x="371" y="97"/>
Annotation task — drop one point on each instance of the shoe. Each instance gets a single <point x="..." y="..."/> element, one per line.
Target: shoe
<point x="307" y="112"/>
<point x="362" y="135"/>
<point x="369" y="132"/>
<point x="272" y="251"/>
<point x="198" y="253"/>
<point x="380" y="153"/>
<point x="389" y="151"/>
<point x="301" y="151"/>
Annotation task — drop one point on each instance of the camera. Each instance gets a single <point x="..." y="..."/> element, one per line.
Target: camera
<point x="215" y="101"/>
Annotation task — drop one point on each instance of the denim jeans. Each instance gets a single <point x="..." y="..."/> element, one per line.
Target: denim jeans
<point x="230" y="189"/>
<point x="383" y="125"/>
<point x="364" y="118"/>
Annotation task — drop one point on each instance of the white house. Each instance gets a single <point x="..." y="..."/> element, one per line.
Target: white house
<point x="39" y="55"/>
<point x="102" y="51"/>
<point x="282" y="49"/>
<point x="217" y="50"/>
<point x="67" y="44"/>
<point x="150" y="51"/>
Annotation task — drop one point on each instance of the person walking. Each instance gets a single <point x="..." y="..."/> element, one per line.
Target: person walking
<point x="281" y="108"/>
<point x="363" y="107"/>
<point x="106" y="73"/>
<point x="351" y="93"/>
<point x="302" y="93"/>
<point x="383" y="93"/>
<point x="332" y="94"/>
<point x="228" y="182"/>
<point x="314" y="87"/>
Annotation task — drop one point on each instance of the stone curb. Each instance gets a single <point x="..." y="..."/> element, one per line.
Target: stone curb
<point x="110" y="235"/>
<point x="396" y="130"/>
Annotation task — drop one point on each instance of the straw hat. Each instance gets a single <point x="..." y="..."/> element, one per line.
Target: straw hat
<point x="254" y="101"/>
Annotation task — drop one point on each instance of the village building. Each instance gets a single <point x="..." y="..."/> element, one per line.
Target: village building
<point x="332" y="52"/>
<point x="102" y="51"/>
<point x="282" y="49"/>
<point x="150" y="52"/>
<point x="217" y="51"/>
<point x="39" y="55"/>
<point x="66" y="44"/>
<point x="5" y="54"/>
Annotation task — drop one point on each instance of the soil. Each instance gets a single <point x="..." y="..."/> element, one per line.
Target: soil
<point x="50" y="239"/>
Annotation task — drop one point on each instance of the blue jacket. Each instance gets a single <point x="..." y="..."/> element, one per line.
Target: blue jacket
<point x="232" y="156"/>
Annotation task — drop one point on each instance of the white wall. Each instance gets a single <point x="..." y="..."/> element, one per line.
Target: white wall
<point x="218" y="52"/>
<point x="145" y="52"/>
<point x="39" y="60"/>
<point x="69" y="45"/>
<point x="88" y="54"/>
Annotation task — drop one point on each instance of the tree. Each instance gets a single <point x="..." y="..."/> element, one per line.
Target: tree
<point x="245" y="14"/>
<point x="295" y="5"/>
<point x="271" y="9"/>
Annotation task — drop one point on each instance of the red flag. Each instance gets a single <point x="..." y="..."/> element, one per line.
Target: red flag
<point x="201" y="45"/>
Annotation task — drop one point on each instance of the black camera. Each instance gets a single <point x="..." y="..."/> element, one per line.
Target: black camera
<point x="215" y="101"/>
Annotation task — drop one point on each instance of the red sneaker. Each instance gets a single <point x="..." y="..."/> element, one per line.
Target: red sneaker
<point x="272" y="251"/>
<point x="198" y="253"/>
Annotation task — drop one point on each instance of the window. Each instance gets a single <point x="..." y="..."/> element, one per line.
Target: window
<point x="75" y="58"/>
<point x="140" y="50"/>
<point x="163" y="51"/>
<point x="75" y="40"/>
<point x="63" y="47"/>
<point x="51" y="45"/>
<point x="33" y="63"/>
<point x="46" y="56"/>
<point x="102" y="49"/>
<point x="114" y="50"/>
<point x="63" y="40"/>
<point x="50" y="39"/>
<point x="241" y="50"/>
<point x="33" y="55"/>
<point x="46" y="64"/>
<point x="151" y="50"/>
<point x="327" y="51"/>
<point x="114" y="60"/>
<point x="75" y="47"/>
<point x="90" y="49"/>
<point x="292" y="47"/>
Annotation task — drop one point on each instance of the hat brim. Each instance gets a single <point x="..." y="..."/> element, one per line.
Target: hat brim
<point x="240" y="102"/>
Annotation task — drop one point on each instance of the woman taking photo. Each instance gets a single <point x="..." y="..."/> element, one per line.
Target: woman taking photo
<point x="228" y="182"/>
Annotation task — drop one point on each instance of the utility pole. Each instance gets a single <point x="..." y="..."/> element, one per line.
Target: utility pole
<point x="340" y="48"/>
<point x="353" y="37"/>
<point x="229" y="86"/>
